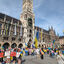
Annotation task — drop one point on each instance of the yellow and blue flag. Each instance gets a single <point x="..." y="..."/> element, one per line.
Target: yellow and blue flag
<point x="36" y="39"/>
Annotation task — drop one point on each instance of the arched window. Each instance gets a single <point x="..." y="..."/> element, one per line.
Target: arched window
<point x="30" y="35"/>
<point x="6" y="45"/>
<point x="13" y="45"/>
<point x="30" y="31"/>
<point x="30" y="22"/>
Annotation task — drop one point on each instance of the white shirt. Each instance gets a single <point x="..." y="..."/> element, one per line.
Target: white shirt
<point x="7" y="53"/>
<point x="17" y="54"/>
<point x="37" y="51"/>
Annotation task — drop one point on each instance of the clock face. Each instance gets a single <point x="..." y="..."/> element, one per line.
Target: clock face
<point x="30" y="22"/>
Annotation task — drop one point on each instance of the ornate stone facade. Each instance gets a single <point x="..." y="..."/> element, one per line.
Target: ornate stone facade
<point x="28" y="19"/>
<point x="47" y="36"/>
<point x="7" y="30"/>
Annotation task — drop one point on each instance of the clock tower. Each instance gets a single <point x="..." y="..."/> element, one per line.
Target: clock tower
<point x="28" y="19"/>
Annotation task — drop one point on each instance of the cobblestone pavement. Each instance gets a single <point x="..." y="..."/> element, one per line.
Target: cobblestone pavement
<point x="35" y="60"/>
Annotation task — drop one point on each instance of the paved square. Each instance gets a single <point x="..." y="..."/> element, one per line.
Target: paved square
<point x="35" y="60"/>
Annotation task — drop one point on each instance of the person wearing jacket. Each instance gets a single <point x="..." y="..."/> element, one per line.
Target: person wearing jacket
<point x="42" y="53"/>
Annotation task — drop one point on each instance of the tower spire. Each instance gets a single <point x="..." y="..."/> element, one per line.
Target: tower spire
<point x="27" y="19"/>
<point x="28" y="5"/>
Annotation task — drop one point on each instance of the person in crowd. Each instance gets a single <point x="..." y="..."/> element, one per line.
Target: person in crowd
<point x="7" y="55"/>
<point x="19" y="57"/>
<point x="26" y="52"/>
<point x="13" y="55"/>
<point x="55" y="50"/>
<point x="30" y="51"/>
<point x="1" y="55"/>
<point x="50" y="53"/>
<point x="47" y="51"/>
<point x="37" y="52"/>
<point x="42" y="53"/>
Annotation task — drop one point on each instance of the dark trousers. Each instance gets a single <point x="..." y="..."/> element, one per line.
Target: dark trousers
<point x="42" y="57"/>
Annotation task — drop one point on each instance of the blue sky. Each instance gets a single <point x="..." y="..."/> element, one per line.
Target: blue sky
<point x="47" y="12"/>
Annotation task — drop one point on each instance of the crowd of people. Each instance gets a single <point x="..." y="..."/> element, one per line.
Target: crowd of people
<point x="14" y="55"/>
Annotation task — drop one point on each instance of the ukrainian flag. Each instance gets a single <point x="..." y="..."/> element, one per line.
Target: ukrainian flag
<point x="36" y="43"/>
<point x="54" y="43"/>
<point x="36" y="39"/>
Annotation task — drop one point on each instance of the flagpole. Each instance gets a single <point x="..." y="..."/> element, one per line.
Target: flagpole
<point x="21" y="31"/>
<point x="15" y="29"/>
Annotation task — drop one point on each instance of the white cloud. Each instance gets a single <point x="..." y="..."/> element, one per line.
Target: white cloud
<point x="37" y="3"/>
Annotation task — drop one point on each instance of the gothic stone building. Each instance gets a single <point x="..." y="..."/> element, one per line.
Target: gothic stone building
<point x="47" y="36"/>
<point x="7" y="30"/>
<point x="27" y="19"/>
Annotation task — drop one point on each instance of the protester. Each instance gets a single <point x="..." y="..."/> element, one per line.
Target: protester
<point x="26" y="51"/>
<point x="13" y="55"/>
<point x="42" y="53"/>
<point x="37" y="52"/>
<point x="47" y="51"/>
<point x="1" y="56"/>
<point x="19" y="56"/>
<point x="7" y="55"/>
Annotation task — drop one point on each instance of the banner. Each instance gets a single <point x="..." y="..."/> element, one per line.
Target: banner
<point x="34" y="35"/>
<point x="37" y="35"/>
<point x="36" y="43"/>
<point x="53" y="43"/>
<point x="21" y="31"/>
<point x="15" y="29"/>
<point x="6" y="29"/>
<point x="36" y="39"/>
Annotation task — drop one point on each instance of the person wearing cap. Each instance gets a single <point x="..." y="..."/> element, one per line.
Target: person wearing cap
<point x="1" y="55"/>
<point x="42" y="53"/>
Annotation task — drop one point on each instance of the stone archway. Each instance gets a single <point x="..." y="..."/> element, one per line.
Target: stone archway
<point x="39" y="45"/>
<point x="6" y="45"/>
<point x="20" y="45"/>
<point x="13" y="45"/>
